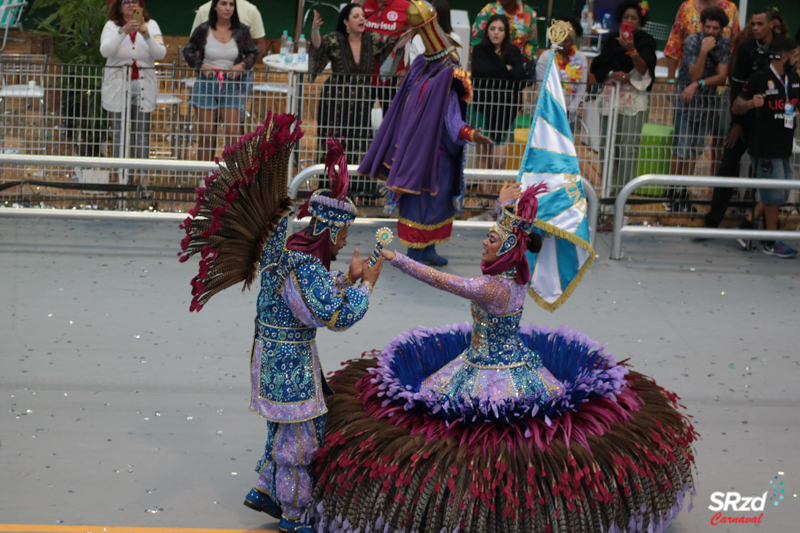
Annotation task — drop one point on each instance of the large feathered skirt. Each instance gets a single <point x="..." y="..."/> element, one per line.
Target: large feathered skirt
<point x="612" y="454"/>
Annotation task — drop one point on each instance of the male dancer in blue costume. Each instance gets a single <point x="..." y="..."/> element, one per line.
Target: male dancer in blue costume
<point x="419" y="148"/>
<point x="299" y="293"/>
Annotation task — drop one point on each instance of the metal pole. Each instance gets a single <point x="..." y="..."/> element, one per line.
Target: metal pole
<point x="105" y="162"/>
<point x="611" y="140"/>
<point x="124" y="132"/>
<point x="696" y="181"/>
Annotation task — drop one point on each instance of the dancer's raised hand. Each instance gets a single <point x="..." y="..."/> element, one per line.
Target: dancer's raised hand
<point x="370" y="273"/>
<point x="356" y="266"/>
<point x="510" y="192"/>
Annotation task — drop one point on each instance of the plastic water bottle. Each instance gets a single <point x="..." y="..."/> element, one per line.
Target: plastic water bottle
<point x="289" y="51"/>
<point x="607" y="21"/>
<point x="586" y="20"/>
<point x="284" y="40"/>
<point x="302" y="49"/>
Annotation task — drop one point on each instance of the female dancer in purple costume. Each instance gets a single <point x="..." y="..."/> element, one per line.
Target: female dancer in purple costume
<point x="497" y="365"/>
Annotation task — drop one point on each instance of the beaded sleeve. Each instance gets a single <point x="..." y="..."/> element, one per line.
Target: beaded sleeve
<point x="312" y="295"/>
<point x="486" y="290"/>
<point x="341" y="279"/>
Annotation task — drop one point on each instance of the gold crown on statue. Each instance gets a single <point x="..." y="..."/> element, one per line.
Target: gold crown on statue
<point x="422" y="17"/>
<point x="419" y="13"/>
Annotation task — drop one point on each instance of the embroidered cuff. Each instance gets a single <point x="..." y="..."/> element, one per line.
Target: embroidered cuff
<point x="467" y="133"/>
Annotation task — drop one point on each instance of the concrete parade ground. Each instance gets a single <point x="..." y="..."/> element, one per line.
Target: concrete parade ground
<point x="123" y="411"/>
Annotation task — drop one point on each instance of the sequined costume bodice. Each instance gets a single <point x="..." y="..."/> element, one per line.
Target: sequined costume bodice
<point x="497" y="365"/>
<point x="495" y="340"/>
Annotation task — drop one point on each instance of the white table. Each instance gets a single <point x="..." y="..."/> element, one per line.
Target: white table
<point x="278" y="62"/>
<point x="295" y="70"/>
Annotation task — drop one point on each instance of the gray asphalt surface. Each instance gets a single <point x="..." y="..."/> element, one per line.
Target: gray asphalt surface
<point x="121" y="408"/>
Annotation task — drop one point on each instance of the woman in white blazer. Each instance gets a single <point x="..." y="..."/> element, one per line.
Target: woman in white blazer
<point x="126" y="43"/>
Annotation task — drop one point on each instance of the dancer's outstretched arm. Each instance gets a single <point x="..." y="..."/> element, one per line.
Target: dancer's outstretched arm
<point x="484" y="289"/>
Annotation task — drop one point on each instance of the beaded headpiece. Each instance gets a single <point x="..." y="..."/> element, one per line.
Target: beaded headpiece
<point x="331" y="209"/>
<point x="518" y="219"/>
<point x="422" y="17"/>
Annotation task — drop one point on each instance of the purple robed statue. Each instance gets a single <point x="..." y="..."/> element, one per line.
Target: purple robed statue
<point x="419" y="148"/>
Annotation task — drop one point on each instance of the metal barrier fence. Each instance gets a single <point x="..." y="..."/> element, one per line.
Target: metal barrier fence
<point x="55" y="109"/>
<point x="304" y="181"/>
<point x="620" y="228"/>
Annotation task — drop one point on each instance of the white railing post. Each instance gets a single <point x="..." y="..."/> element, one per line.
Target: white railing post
<point x="705" y="233"/>
<point x="124" y="135"/>
<point x="610" y="141"/>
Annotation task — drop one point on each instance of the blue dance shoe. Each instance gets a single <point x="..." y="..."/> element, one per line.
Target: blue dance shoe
<point x="259" y="501"/>
<point x="430" y="257"/>
<point x="294" y="526"/>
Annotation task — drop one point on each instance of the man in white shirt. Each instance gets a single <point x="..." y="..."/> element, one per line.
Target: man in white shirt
<point x="248" y="14"/>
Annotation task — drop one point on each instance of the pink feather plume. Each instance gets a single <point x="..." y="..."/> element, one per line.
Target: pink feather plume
<point x="336" y="168"/>
<point x="528" y="204"/>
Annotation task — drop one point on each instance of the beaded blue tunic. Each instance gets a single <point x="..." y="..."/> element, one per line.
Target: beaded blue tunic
<point x="298" y="295"/>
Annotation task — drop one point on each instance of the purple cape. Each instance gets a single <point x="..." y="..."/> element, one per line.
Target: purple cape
<point x="404" y="150"/>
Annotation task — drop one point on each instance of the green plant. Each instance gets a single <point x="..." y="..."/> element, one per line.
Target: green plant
<point x="75" y="26"/>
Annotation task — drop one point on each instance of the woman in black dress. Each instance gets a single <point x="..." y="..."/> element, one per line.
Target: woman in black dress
<point x="497" y="74"/>
<point x="347" y="97"/>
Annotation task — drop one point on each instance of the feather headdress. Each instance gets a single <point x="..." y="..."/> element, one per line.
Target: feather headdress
<point x="240" y="209"/>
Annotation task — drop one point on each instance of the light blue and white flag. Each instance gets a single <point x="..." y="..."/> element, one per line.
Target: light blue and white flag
<point x="562" y="220"/>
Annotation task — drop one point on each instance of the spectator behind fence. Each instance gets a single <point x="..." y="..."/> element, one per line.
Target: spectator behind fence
<point x="497" y="73"/>
<point x="522" y="22"/>
<point x="127" y="43"/>
<point x="223" y="52"/>
<point x="631" y="64"/>
<point x="779" y="26"/>
<point x="774" y="95"/>
<point x="751" y="55"/>
<point x="697" y="113"/>
<point x="687" y="22"/>
<point x="347" y="98"/>
<point x="249" y="15"/>
<point x="416" y="46"/>
<point x="572" y="66"/>
<point x="387" y="18"/>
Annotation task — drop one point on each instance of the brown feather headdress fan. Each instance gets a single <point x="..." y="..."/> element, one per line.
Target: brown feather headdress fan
<point x="239" y="208"/>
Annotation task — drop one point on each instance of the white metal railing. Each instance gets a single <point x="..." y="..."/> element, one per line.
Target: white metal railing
<point x="495" y="176"/>
<point x="620" y="228"/>
<point x="106" y="162"/>
<point x="62" y="114"/>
